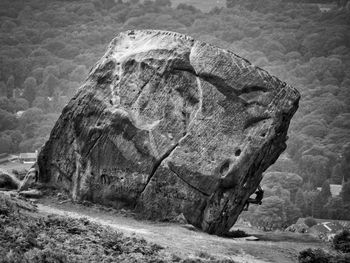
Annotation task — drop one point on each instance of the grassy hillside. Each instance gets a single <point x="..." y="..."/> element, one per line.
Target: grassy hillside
<point x="204" y="5"/>
<point x="27" y="236"/>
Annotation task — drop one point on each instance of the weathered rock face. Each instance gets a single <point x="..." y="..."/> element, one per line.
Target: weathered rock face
<point x="167" y="125"/>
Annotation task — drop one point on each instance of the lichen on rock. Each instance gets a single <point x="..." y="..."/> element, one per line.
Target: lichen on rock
<point x="167" y="125"/>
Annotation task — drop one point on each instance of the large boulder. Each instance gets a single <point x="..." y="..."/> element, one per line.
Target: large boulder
<point x="165" y="125"/>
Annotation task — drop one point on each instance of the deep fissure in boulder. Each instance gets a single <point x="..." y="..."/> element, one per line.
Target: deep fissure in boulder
<point x="157" y="164"/>
<point x="187" y="128"/>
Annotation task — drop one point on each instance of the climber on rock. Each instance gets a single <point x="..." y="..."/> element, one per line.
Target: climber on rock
<point x="259" y="195"/>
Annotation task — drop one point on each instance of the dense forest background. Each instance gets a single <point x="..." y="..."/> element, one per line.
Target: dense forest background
<point x="48" y="47"/>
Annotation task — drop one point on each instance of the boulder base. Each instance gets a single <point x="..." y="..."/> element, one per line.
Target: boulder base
<point x="167" y="125"/>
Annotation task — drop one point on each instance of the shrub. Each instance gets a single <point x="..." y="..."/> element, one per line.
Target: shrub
<point x="313" y="256"/>
<point x="203" y="254"/>
<point x="6" y="207"/>
<point x="320" y="256"/>
<point x="46" y="255"/>
<point x="341" y="241"/>
<point x="345" y="258"/>
<point x="310" y="222"/>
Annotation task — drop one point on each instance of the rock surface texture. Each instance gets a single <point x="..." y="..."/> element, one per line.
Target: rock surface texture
<point x="168" y="125"/>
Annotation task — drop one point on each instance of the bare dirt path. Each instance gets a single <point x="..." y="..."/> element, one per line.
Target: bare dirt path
<point x="180" y="240"/>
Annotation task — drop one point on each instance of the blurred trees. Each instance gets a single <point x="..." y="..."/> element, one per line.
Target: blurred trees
<point x="10" y="86"/>
<point x="320" y="200"/>
<point x="270" y="215"/>
<point x="274" y="213"/>
<point x="8" y="121"/>
<point x="314" y="168"/>
<point x="50" y="84"/>
<point x="345" y="193"/>
<point x="300" y="201"/>
<point x="30" y="88"/>
<point x="335" y="209"/>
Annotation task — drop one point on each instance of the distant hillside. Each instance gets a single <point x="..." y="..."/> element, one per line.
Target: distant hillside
<point x="204" y="5"/>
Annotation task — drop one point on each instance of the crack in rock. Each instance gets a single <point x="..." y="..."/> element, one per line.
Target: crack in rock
<point x="190" y="185"/>
<point x="157" y="164"/>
